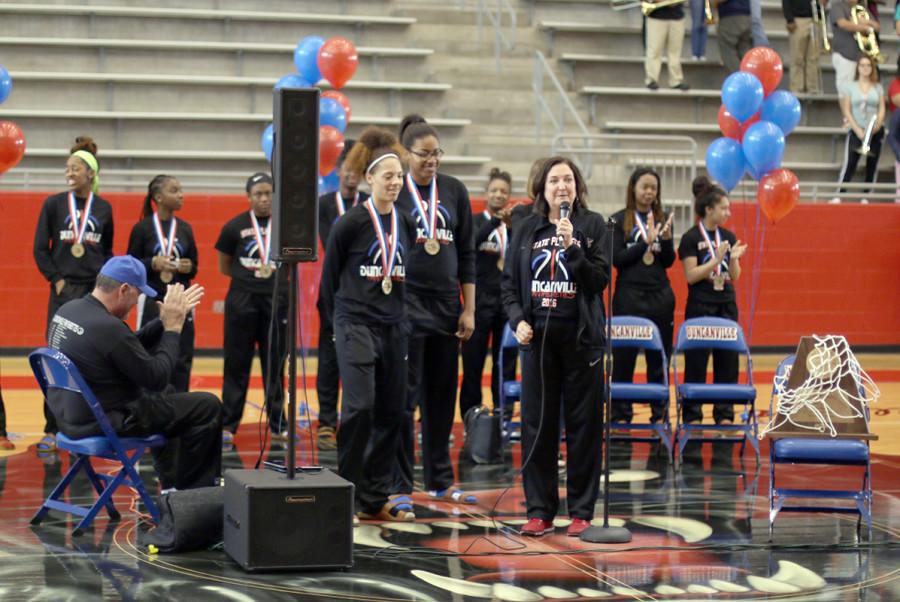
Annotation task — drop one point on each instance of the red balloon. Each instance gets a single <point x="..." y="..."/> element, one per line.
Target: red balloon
<point x="779" y="191"/>
<point x="337" y="61"/>
<point x="765" y="64"/>
<point x="746" y="125"/>
<point x="12" y="145"/>
<point x="339" y="96"/>
<point x="331" y="143"/>
<point x="730" y="127"/>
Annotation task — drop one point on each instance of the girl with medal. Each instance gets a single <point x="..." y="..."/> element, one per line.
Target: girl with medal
<point x="491" y="238"/>
<point x="552" y="291"/>
<point x="332" y="206"/>
<point x="711" y="258"/>
<point x="73" y="239"/>
<point x="441" y="266"/>
<point x="643" y="250"/>
<point x="363" y="294"/>
<point x="166" y="246"/>
<point x="252" y="308"/>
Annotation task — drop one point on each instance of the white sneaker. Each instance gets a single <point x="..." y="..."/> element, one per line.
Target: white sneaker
<point x="835" y="201"/>
<point x="864" y="202"/>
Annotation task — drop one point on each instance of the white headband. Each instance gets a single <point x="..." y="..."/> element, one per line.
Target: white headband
<point x="375" y="162"/>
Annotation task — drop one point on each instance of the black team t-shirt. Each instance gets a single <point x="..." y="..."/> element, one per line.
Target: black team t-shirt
<point x="351" y="288"/>
<point x="238" y="240"/>
<point x="553" y="286"/>
<point x="694" y="245"/>
<point x="628" y="257"/>
<point x="144" y="245"/>
<point x="329" y="211"/>
<point x="490" y="240"/>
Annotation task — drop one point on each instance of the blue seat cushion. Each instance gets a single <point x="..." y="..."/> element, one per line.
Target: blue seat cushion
<point x="704" y="392"/>
<point x="512" y="389"/>
<point x="639" y="392"/>
<point x="820" y="451"/>
<point x="100" y="446"/>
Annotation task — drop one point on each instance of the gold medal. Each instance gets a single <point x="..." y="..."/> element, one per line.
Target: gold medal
<point x="265" y="271"/>
<point x="500" y="264"/>
<point x="432" y="246"/>
<point x="648" y="257"/>
<point x="165" y="276"/>
<point x="386" y="286"/>
<point x="719" y="282"/>
<point x="77" y="250"/>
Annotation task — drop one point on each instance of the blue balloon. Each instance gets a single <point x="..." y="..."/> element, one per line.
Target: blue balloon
<point x="268" y="141"/>
<point x="783" y="109"/>
<point x="291" y="81"/>
<point x="306" y="57"/>
<point x="332" y="113"/>
<point x="5" y="84"/>
<point x="329" y="183"/>
<point x="764" y="146"/>
<point x="725" y="162"/>
<point x="742" y="95"/>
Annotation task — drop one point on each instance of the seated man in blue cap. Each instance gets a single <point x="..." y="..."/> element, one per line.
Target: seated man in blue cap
<point x="129" y="371"/>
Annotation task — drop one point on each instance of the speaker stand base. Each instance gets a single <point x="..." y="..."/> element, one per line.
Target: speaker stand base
<point x="599" y="534"/>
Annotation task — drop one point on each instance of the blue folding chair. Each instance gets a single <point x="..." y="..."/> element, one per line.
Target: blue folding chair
<point x="53" y="370"/>
<point x="510" y="391"/>
<point x="817" y="450"/>
<point x="640" y="333"/>
<point x="714" y="333"/>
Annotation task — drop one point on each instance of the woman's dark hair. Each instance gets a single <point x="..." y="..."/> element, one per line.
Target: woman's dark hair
<point x="374" y="142"/>
<point x="707" y="193"/>
<point x="499" y="174"/>
<point x="85" y="143"/>
<point x="348" y="145"/>
<point x="155" y="187"/>
<point x="537" y="186"/>
<point x="414" y="127"/>
<point x="631" y="199"/>
<point x="876" y="74"/>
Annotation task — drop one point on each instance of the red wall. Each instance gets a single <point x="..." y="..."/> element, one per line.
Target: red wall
<point x="826" y="269"/>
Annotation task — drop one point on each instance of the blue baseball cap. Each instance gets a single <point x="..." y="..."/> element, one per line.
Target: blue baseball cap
<point x="128" y="270"/>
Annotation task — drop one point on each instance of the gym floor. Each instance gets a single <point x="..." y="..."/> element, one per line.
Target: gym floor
<point x="699" y="533"/>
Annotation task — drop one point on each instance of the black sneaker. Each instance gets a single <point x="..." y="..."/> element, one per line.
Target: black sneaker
<point x="683" y="86"/>
<point x="653" y="85"/>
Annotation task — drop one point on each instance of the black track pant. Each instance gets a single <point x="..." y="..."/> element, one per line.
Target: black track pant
<point x="726" y="365"/>
<point x="192" y="422"/>
<point x="247" y="323"/>
<point x="373" y="369"/>
<point x="490" y="320"/>
<point x="572" y="386"/>
<point x="328" y="378"/>
<point x="181" y="375"/>
<point x="658" y="306"/>
<point x="3" y="432"/>
<point x="69" y="292"/>
<point x="851" y="157"/>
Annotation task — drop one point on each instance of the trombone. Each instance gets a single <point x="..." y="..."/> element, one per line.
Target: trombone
<point x="867" y="42"/>
<point x="820" y="25"/>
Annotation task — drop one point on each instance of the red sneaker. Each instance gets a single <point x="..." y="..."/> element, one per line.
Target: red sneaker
<point x="578" y="525"/>
<point x="536" y="526"/>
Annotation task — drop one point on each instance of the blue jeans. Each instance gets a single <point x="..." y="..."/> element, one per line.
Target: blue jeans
<point x="698" y="28"/>
<point x="759" y="34"/>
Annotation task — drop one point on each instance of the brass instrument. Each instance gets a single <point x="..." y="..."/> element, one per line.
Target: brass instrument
<point x="867" y="42"/>
<point x="707" y="9"/>
<point x="820" y="24"/>
<point x="649" y="7"/>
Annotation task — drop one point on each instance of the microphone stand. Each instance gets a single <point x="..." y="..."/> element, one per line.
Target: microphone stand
<point x="605" y="533"/>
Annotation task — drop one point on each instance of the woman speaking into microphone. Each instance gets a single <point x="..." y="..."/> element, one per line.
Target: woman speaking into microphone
<point x="552" y="290"/>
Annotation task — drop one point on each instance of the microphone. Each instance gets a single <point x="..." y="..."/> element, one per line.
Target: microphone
<point x="564" y="209"/>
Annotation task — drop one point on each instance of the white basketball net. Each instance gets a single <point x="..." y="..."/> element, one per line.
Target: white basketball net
<point x="829" y="362"/>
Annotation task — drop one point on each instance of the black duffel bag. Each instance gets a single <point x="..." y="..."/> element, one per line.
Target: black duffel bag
<point x="188" y="520"/>
<point x="483" y="443"/>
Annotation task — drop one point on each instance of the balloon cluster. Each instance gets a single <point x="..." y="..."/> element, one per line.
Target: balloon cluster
<point x="12" y="140"/>
<point x="334" y="60"/>
<point x="754" y="119"/>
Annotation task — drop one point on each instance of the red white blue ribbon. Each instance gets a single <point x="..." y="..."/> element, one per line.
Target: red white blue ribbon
<point x="429" y="211"/>
<point x="387" y="243"/>
<point x="713" y="249"/>
<point x="166" y="245"/>
<point x="79" y="227"/>
<point x="263" y="240"/>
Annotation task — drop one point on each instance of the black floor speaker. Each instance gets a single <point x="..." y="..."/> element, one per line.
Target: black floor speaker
<point x="272" y="523"/>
